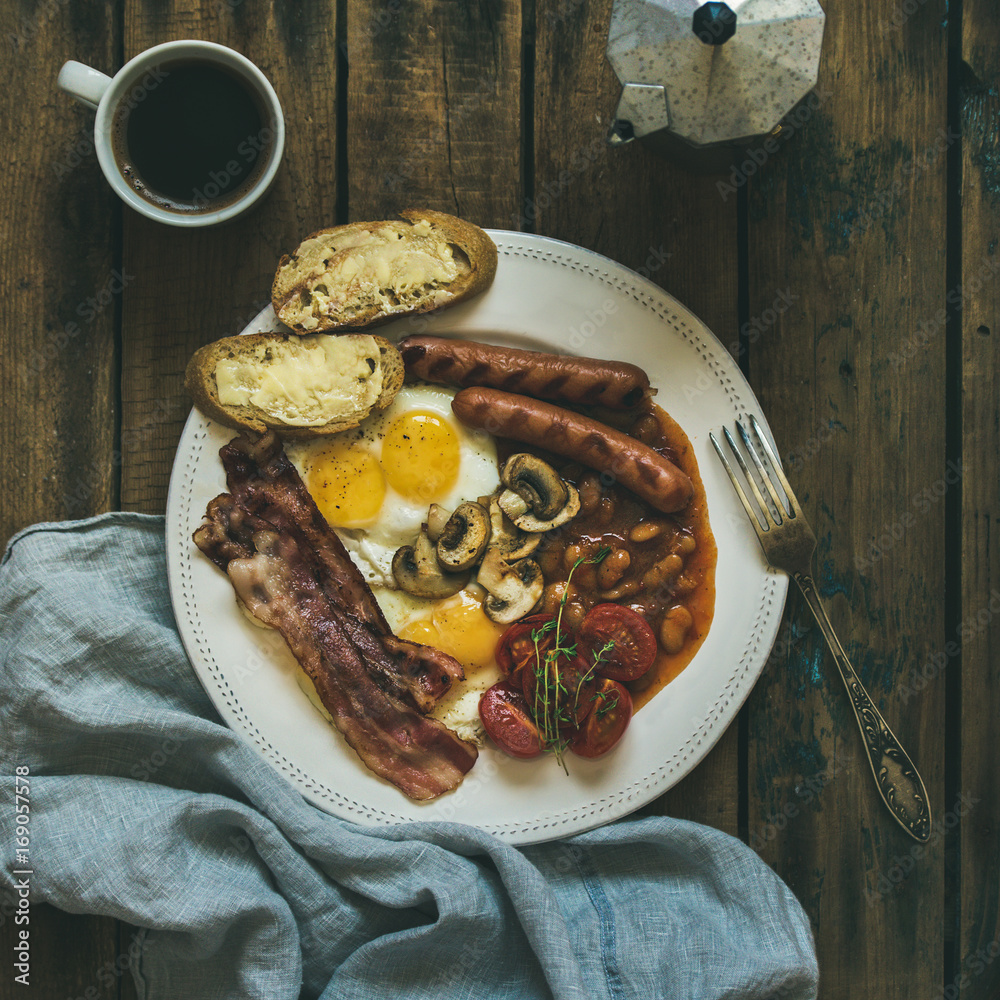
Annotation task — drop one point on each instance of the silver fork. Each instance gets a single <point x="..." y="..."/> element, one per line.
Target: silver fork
<point x="789" y="543"/>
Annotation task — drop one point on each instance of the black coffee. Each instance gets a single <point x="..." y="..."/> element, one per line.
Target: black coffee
<point x="191" y="136"/>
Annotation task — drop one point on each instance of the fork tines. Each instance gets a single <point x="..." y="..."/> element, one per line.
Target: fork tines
<point x="768" y="469"/>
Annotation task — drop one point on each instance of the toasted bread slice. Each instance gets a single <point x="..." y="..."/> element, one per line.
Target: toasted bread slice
<point x="302" y="386"/>
<point x="356" y="276"/>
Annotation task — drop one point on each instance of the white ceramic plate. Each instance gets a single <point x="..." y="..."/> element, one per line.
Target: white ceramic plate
<point x="552" y="296"/>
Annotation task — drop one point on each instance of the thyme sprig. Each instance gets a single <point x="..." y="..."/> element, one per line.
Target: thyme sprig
<point x="551" y="694"/>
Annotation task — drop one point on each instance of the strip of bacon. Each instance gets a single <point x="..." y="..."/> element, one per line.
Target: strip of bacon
<point x="363" y="675"/>
<point x="265" y="483"/>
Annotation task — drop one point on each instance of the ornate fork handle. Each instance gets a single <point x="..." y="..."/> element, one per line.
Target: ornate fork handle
<point x="899" y="784"/>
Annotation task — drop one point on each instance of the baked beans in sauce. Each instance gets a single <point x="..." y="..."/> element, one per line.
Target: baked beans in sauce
<point x="660" y="565"/>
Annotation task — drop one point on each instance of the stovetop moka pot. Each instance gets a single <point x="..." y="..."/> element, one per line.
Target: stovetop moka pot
<point x="703" y="81"/>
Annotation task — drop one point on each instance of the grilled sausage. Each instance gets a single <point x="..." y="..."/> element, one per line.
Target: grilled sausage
<point x="582" y="381"/>
<point x="633" y="464"/>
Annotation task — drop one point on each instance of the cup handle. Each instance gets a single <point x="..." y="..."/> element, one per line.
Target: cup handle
<point x="83" y="83"/>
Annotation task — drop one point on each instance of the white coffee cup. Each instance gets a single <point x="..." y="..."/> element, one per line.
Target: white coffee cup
<point x="133" y="81"/>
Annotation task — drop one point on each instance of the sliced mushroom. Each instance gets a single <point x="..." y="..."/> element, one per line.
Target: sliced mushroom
<point x="514" y="588"/>
<point x="418" y="572"/>
<point x="514" y="506"/>
<point x="464" y="538"/>
<point x="537" y="483"/>
<point x="510" y="541"/>
<point x="437" y="518"/>
<point x="537" y="499"/>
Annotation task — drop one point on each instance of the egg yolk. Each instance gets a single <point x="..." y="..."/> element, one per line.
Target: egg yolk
<point x="420" y="456"/>
<point x="460" y="628"/>
<point x="347" y="485"/>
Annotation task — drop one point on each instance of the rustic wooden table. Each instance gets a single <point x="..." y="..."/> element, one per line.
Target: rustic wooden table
<point x="877" y="223"/>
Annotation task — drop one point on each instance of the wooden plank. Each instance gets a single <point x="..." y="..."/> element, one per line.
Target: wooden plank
<point x="977" y="967"/>
<point x="190" y="287"/>
<point x="58" y="307"/>
<point x="849" y="217"/>
<point x="432" y="108"/>
<point x="58" y="286"/>
<point x="633" y="206"/>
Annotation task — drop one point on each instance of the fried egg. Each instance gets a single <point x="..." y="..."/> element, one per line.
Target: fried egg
<point x="374" y="484"/>
<point x="461" y="628"/>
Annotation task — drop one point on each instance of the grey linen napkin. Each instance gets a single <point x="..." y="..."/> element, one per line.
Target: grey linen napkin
<point x="146" y="807"/>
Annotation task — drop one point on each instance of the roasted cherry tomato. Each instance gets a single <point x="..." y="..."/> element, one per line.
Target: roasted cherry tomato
<point x="604" y="726"/>
<point x="507" y="721"/>
<point x="516" y="648"/>
<point x="570" y="683"/>
<point x="634" y="641"/>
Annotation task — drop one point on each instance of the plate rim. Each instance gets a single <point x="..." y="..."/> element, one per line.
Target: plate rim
<point x="760" y="637"/>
